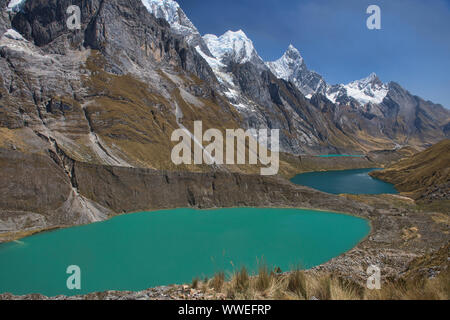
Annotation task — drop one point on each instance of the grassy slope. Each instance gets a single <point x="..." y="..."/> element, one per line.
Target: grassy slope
<point x="427" y="278"/>
<point x="424" y="173"/>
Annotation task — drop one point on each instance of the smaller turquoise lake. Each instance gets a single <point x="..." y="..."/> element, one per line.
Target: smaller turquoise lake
<point x="143" y="250"/>
<point x="346" y="181"/>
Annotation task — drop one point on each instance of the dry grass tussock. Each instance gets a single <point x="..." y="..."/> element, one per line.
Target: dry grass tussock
<point x="301" y="285"/>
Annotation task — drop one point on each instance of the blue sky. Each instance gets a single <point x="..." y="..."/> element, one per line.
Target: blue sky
<point x="413" y="47"/>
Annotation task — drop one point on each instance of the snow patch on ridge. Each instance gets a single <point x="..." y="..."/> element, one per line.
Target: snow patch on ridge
<point x="15" y="5"/>
<point x="13" y="35"/>
<point x="218" y="68"/>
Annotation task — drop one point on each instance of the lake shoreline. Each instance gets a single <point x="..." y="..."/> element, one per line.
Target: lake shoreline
<point x="353" y="181"/>
<point x="383" y="242"/>
<point x="327" y="235"/>
<point x="348" y="264"/>
<point x="11" y="237"/>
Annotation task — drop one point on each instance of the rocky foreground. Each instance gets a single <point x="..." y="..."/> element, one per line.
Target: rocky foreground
<point x="402" y="236"/>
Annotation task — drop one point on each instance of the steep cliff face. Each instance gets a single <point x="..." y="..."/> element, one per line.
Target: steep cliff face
<point x="123" y="31"/>
<point x="5" y="22"/>
<point x="110" y="93"/>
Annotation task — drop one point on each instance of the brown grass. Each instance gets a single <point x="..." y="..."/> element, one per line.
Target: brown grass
<point x="415" y="176"/>
<point x="310" y="285"/>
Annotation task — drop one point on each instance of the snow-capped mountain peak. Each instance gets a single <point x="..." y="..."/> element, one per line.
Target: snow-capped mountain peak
<point x="236" y="47"/>
<point x="293" y="54"/>
<point x="170" y="11"/>
<point x="371" y="80"/>
<point x="291" y="67"/>
<point x="232" y="46"/>
<point x="288" y="65"/>
<point x="368" y="90"/>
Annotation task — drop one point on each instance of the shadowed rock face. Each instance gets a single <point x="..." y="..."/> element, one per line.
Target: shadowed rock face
<point x="32" y="183"/>
<point x="5" y="22"/>
<point x="143" y="189"/>
<point x="124" y="31"/>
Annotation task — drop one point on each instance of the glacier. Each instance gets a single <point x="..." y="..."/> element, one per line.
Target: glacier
<point x="232" y="46"/>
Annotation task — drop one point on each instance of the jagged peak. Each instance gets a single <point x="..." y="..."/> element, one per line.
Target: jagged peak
<point x="372" y="76"/>
<point x="168" y="5"/>
<point x="232" y="44"/>
<point x="371" y="79"/>
<point x="289" y="65"/>
<point x="171" y="11"/>
<point x="293" y="49"/>
<point x="291" y="57"/>
<point x="239" y="33"/>
<point x="292" y="53"/>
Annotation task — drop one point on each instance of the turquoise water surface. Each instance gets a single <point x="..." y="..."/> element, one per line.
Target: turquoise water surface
<point x="347" y="181"/>
<point x="143" y="250"/>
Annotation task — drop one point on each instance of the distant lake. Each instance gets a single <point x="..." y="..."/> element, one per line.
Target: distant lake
<point x="346" y="181"/>
<point x="139" y="251"/>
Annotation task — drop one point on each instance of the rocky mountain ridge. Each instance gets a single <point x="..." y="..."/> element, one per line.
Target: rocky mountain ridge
<point x="110" y="95"/>
<point x="265" y="99"/>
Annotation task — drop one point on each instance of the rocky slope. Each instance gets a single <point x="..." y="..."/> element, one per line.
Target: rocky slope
<point x="404" y="243"/>
<point x="381" y="110"/>
<point x="86" y="118"/>
<point x="424" y="176"/>
<point x="72" y="192"/>
<point x="107" y="97"/>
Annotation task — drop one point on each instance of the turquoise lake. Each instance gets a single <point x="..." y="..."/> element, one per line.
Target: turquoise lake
<point x="346" y="181"/>
<point x="143" y="250"/>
